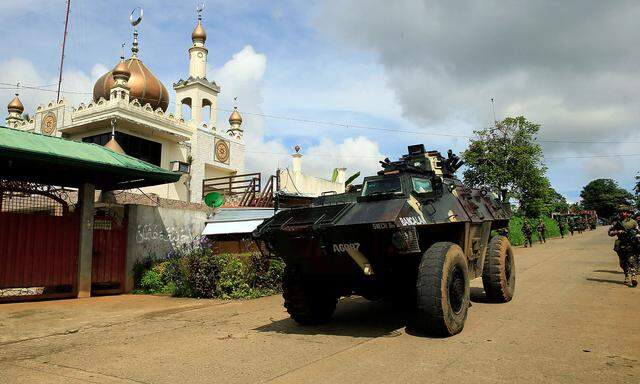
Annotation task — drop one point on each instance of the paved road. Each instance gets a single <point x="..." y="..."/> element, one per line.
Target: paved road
<point x="572" y="321"/>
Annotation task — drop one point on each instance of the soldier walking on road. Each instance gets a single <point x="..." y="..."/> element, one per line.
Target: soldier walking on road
<point x="571" y="226"/>
<point x="542" y="229"/>
<point x="561" y="227"/>
<point x="627" y="244"/>
<point x="527" y="231"/>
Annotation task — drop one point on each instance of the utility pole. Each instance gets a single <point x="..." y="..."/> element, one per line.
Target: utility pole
<point x="64" y="43"/>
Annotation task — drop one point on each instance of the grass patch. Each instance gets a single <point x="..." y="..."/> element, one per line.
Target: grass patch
<point x="516" y="237"/>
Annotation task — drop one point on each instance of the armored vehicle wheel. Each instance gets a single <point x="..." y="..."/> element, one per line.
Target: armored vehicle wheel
<point x="442" y="290"/>
<point x="308" y="304"/>
<point x="499" y="271"/>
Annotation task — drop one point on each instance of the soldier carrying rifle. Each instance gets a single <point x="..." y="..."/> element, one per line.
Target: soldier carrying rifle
<point x="527" y="231"/>
<point x="542" y="231"/>
<point x="627" y="246"/>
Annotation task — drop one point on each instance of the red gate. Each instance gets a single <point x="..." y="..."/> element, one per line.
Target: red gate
<point x="109" y="256"/>
<point x="38" y="244"/>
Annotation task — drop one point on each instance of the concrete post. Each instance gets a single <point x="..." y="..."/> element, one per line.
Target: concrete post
<point x="131" y="213"/>
<point x="86" y="195"/>
<point x="296" y="163"/>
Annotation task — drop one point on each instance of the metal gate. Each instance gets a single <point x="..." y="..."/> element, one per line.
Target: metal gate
<point x="38" y="242"/>
<point x="109" y="255"/>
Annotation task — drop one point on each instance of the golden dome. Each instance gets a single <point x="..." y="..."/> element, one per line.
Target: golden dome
<point x="113" y="145"/>
<point x="121" y="71"/>
<point x="15" y="105"/>
<point x="235" y="117"/>
<point x="199" y="33"/>
<point x="143" y="85"/>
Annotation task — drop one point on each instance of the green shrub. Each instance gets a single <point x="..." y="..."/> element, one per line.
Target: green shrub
<point x="151" y="281"/>
<point x="192" y="270"/>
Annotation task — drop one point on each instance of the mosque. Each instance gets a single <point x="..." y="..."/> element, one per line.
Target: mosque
<point x="129" y="113"/>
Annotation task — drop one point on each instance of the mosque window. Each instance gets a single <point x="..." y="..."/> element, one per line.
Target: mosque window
<point x="146" y="150"/>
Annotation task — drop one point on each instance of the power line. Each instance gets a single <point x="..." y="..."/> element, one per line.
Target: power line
<point x="334" y="155"/>
<point x="593" y="156"/>
<point x="347" y="125"/>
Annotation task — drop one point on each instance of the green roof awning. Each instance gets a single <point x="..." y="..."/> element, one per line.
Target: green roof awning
<point x="44" y="159"/>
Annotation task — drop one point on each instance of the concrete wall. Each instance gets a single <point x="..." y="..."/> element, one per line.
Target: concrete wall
<point x="154" y="231"/>
<point x="297" y="182"/>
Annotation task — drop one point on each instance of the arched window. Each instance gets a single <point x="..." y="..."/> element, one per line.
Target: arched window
<point x="206" y="111"/>
<point x="185" y="108"/>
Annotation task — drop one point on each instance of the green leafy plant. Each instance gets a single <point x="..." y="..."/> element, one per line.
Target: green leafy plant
<point x="192" y="270"/>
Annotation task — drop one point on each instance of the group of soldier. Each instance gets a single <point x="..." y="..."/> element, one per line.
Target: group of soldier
<point x="573" y="224"/>
<point x="625" y="227"/>
<point x="527" y="231"/>
<point x="627" y="244"/>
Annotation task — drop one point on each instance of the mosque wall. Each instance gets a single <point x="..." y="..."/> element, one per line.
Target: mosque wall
<point x="154" y="231"/>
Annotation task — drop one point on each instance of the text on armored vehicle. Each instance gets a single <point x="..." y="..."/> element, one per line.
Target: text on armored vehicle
<point x="346" y="247"/>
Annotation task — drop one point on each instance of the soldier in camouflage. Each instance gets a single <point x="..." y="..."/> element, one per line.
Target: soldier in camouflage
<point x="542" y="230"/>
<point x="627" y="244"/>
<point x="561" y="227"/>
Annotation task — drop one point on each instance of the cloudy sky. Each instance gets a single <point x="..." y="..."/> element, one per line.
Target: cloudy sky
<point x="355" y="81"/>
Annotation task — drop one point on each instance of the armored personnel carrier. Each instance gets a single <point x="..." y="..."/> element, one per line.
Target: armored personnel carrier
<point x="413" y="232"/>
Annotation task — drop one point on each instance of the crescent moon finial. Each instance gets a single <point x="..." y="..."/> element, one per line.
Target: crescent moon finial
<point x="137" y="20"/>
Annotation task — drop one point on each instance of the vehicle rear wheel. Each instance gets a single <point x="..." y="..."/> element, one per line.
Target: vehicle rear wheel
<point x="308" y="304"/>
<point x="499" y="271"/>
<point x="442" y="290"/>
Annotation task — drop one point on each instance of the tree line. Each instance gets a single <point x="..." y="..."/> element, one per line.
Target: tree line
<point x="507" y="158"/>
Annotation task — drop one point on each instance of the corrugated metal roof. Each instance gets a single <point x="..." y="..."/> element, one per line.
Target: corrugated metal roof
<point x="241" y="214"/>
<point x="230" y="227"/>
<point x="99" y="165"/>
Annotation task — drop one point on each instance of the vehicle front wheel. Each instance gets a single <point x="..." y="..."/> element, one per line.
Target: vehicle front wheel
<point x="499" y="271"/>
<point x="307" y="303"/>
<point x="442" y="290"/>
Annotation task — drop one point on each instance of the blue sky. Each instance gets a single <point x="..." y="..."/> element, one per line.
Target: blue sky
<point x="337" y="62"/>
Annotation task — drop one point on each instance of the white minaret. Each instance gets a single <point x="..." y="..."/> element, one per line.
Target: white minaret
<point x="197" y="92"/>
<point x="198" y="52"/>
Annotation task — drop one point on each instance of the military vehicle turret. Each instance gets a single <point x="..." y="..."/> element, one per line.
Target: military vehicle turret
<point x="411" y="231"/>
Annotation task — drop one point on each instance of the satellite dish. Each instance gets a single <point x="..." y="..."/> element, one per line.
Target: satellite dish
<point x="136" y="20"/>
<point x="214" y="199"/>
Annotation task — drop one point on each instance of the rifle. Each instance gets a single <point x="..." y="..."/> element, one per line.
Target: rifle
<point x="629" y="236"/>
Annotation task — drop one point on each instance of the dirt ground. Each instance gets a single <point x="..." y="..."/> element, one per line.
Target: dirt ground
<point x="572" y="321"/>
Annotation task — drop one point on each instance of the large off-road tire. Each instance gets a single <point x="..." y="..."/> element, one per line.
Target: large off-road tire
<point x="442" y="290"/>
<point x="307" y="303"/>
<point x="499" y="270"/>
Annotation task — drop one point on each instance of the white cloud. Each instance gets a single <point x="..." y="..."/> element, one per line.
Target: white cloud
<point x="19" y="70"/>
<point x="354" y="153"/>
<point x="242" y="77"/>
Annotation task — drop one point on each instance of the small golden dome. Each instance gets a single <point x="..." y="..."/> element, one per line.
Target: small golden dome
<point x="121" y="71"/>
<point x="199" y="33"/>
<point x="235" y="117"/>
<point x="114" y="146"/>
<point x="143" y="85"/>
<point x="15" y="105"/>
